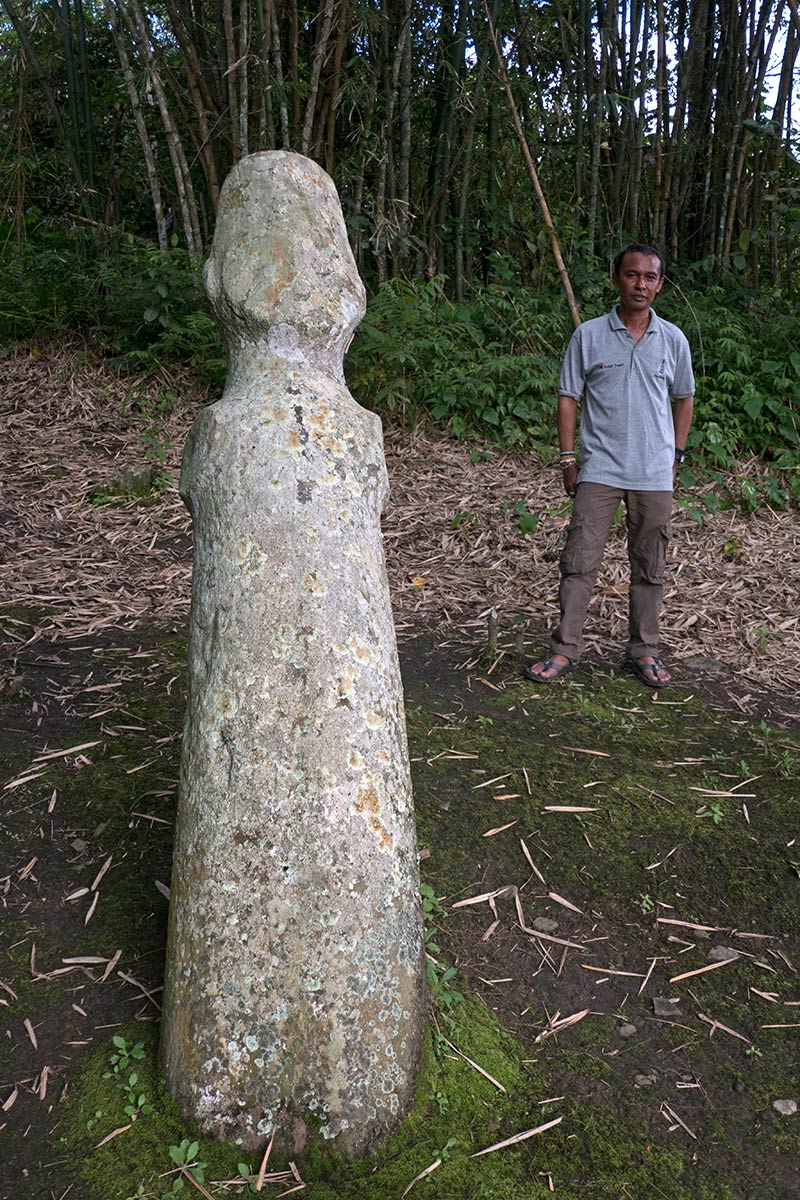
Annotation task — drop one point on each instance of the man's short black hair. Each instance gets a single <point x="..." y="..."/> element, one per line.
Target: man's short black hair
<point x="639" y="248"/>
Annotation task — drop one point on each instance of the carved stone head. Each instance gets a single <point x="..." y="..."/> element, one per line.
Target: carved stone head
<point x="281" y="270"/>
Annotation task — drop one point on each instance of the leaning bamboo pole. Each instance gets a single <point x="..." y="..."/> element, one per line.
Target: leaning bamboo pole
<point x="537" y="187"/>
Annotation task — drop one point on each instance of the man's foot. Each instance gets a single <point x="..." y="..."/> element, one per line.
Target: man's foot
<point x="551" y="669"/>
<point x="650" y="670"/>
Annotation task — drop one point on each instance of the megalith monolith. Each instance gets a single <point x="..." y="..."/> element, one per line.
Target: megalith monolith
<point x="294" y="994"/>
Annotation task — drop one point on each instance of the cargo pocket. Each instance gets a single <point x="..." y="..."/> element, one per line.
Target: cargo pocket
<point x="574" y="556"/>
<point x="651" y="556"/>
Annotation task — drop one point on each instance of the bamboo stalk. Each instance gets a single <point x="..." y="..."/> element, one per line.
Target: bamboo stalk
<point x="316" y="71"/>
<point x="537" y="187"/>
<point x="141" y="128"/>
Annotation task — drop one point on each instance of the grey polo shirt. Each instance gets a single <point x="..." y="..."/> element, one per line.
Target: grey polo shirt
<point x="626" y="388"/>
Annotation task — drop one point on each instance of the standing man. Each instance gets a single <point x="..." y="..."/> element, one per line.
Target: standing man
<point x="633" y="373"/>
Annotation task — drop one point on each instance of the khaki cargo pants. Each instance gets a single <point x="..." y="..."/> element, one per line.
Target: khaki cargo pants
<point x="649" y="530"/>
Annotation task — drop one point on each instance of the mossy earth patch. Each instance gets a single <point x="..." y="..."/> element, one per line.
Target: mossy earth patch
<point x="665" y="783"/>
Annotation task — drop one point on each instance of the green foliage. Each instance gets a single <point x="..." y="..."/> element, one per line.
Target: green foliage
<point x="748" y="394"/>
<point x="486" y="368"/>
<point x="440" y="978"/>
<point x="122" y="1060"/>
<point x="143" y="305"/>
<point x="151" y="411"/>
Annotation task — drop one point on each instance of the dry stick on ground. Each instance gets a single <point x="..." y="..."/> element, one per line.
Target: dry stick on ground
<point x="95" y="569"/>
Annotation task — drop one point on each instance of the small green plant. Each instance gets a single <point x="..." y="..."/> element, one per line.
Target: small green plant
<point x="754" y="1052"/>
<point x="444" y="996"/>
<point x="750" y="497"/>
<point x="646" y="903"/>
<point x="184" y="1158"/>
<point x="782" y="754"/>
<point x="124" y="1055"/>
<point x="578" y="696"/>
<point x="528" y="522"/>
<point x="795" y="866"/>
<point x="430" y="903"/>
<point x="484" y="720"/>
<point x="759" y="636"/>
<point x="447" y="1149"/>
<point x="151" y="411"/>
<point x="126" y="1079"/>
<point x="716" y="813"/>
<point x="463" y="518"/>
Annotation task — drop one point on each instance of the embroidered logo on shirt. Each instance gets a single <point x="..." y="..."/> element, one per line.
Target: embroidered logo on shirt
<point x="608" y="366"/>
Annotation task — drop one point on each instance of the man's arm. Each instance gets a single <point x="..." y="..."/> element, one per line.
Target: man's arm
<point x="567" y="415"/>
<point x="682" y="410"/>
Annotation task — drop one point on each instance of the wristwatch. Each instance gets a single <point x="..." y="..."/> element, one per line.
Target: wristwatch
<point x="680" y="455"/>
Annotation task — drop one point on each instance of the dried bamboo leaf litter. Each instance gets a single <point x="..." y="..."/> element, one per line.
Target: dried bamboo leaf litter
<point x="453" y="540"/>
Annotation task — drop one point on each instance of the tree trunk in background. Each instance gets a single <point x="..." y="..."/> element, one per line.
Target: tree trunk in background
<point x="324" y="23"/>
<point x="385" y="221"/>
<point x="621" y="149"/>
<point x="403" y="161"/>
<point x="282" y="105"/>
<point x="231" y="70"/>
<point x="545" y="211"/>
<point x="294" y="71"/>
<point x="264" y="26"/>
<point x="750" y="100"/>
<point x="141" y="128"/>
<point x="85" y="93"/>
<point x="19" y="138"/>
<point x="662" y="107"/>
<point x="244" y="91"/>
<point x="140" y="30"/>
<point x="201" y="99"/>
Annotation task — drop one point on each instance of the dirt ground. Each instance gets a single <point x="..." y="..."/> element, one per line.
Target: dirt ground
<point x="596" y="851"/>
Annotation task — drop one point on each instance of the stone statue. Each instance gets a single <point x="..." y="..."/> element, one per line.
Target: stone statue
<point x="294" y="997"/>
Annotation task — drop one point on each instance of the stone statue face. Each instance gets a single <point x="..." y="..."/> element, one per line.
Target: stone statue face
<point x="281" y="267"/>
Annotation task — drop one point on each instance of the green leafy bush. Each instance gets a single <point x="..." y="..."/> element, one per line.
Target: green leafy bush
<point x="143" y="305"/>
<point x="485" y="368"/>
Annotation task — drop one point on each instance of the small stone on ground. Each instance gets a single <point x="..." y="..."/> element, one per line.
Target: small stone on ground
<point x="722" y="953"/>
<point x="545" y="924"/>
<point x="664" y="1007"/>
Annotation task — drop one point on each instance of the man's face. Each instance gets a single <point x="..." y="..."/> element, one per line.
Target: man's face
<point x="639" y="281"/>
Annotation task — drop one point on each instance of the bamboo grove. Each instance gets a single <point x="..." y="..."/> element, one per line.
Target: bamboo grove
<point x="672" y="121"/>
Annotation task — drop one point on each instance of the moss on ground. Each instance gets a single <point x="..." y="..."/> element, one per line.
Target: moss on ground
<point x="458" y="1112"/>
<point x="666" y="780"/>
<point x="656" y="772"/>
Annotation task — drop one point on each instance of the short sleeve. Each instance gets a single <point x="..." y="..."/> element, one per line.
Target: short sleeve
<point x="572" y="379"/>
<point x="683" y="380"/>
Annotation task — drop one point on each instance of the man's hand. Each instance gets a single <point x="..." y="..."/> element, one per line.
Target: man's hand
<point x="570" y="474"/>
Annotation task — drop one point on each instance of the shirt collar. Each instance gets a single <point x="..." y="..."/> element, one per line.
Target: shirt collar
<point x="616" y="324"/>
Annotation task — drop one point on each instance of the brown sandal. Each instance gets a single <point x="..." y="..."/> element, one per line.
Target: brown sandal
<point x="639" y="669"/>
<point x="560" y="669"/>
